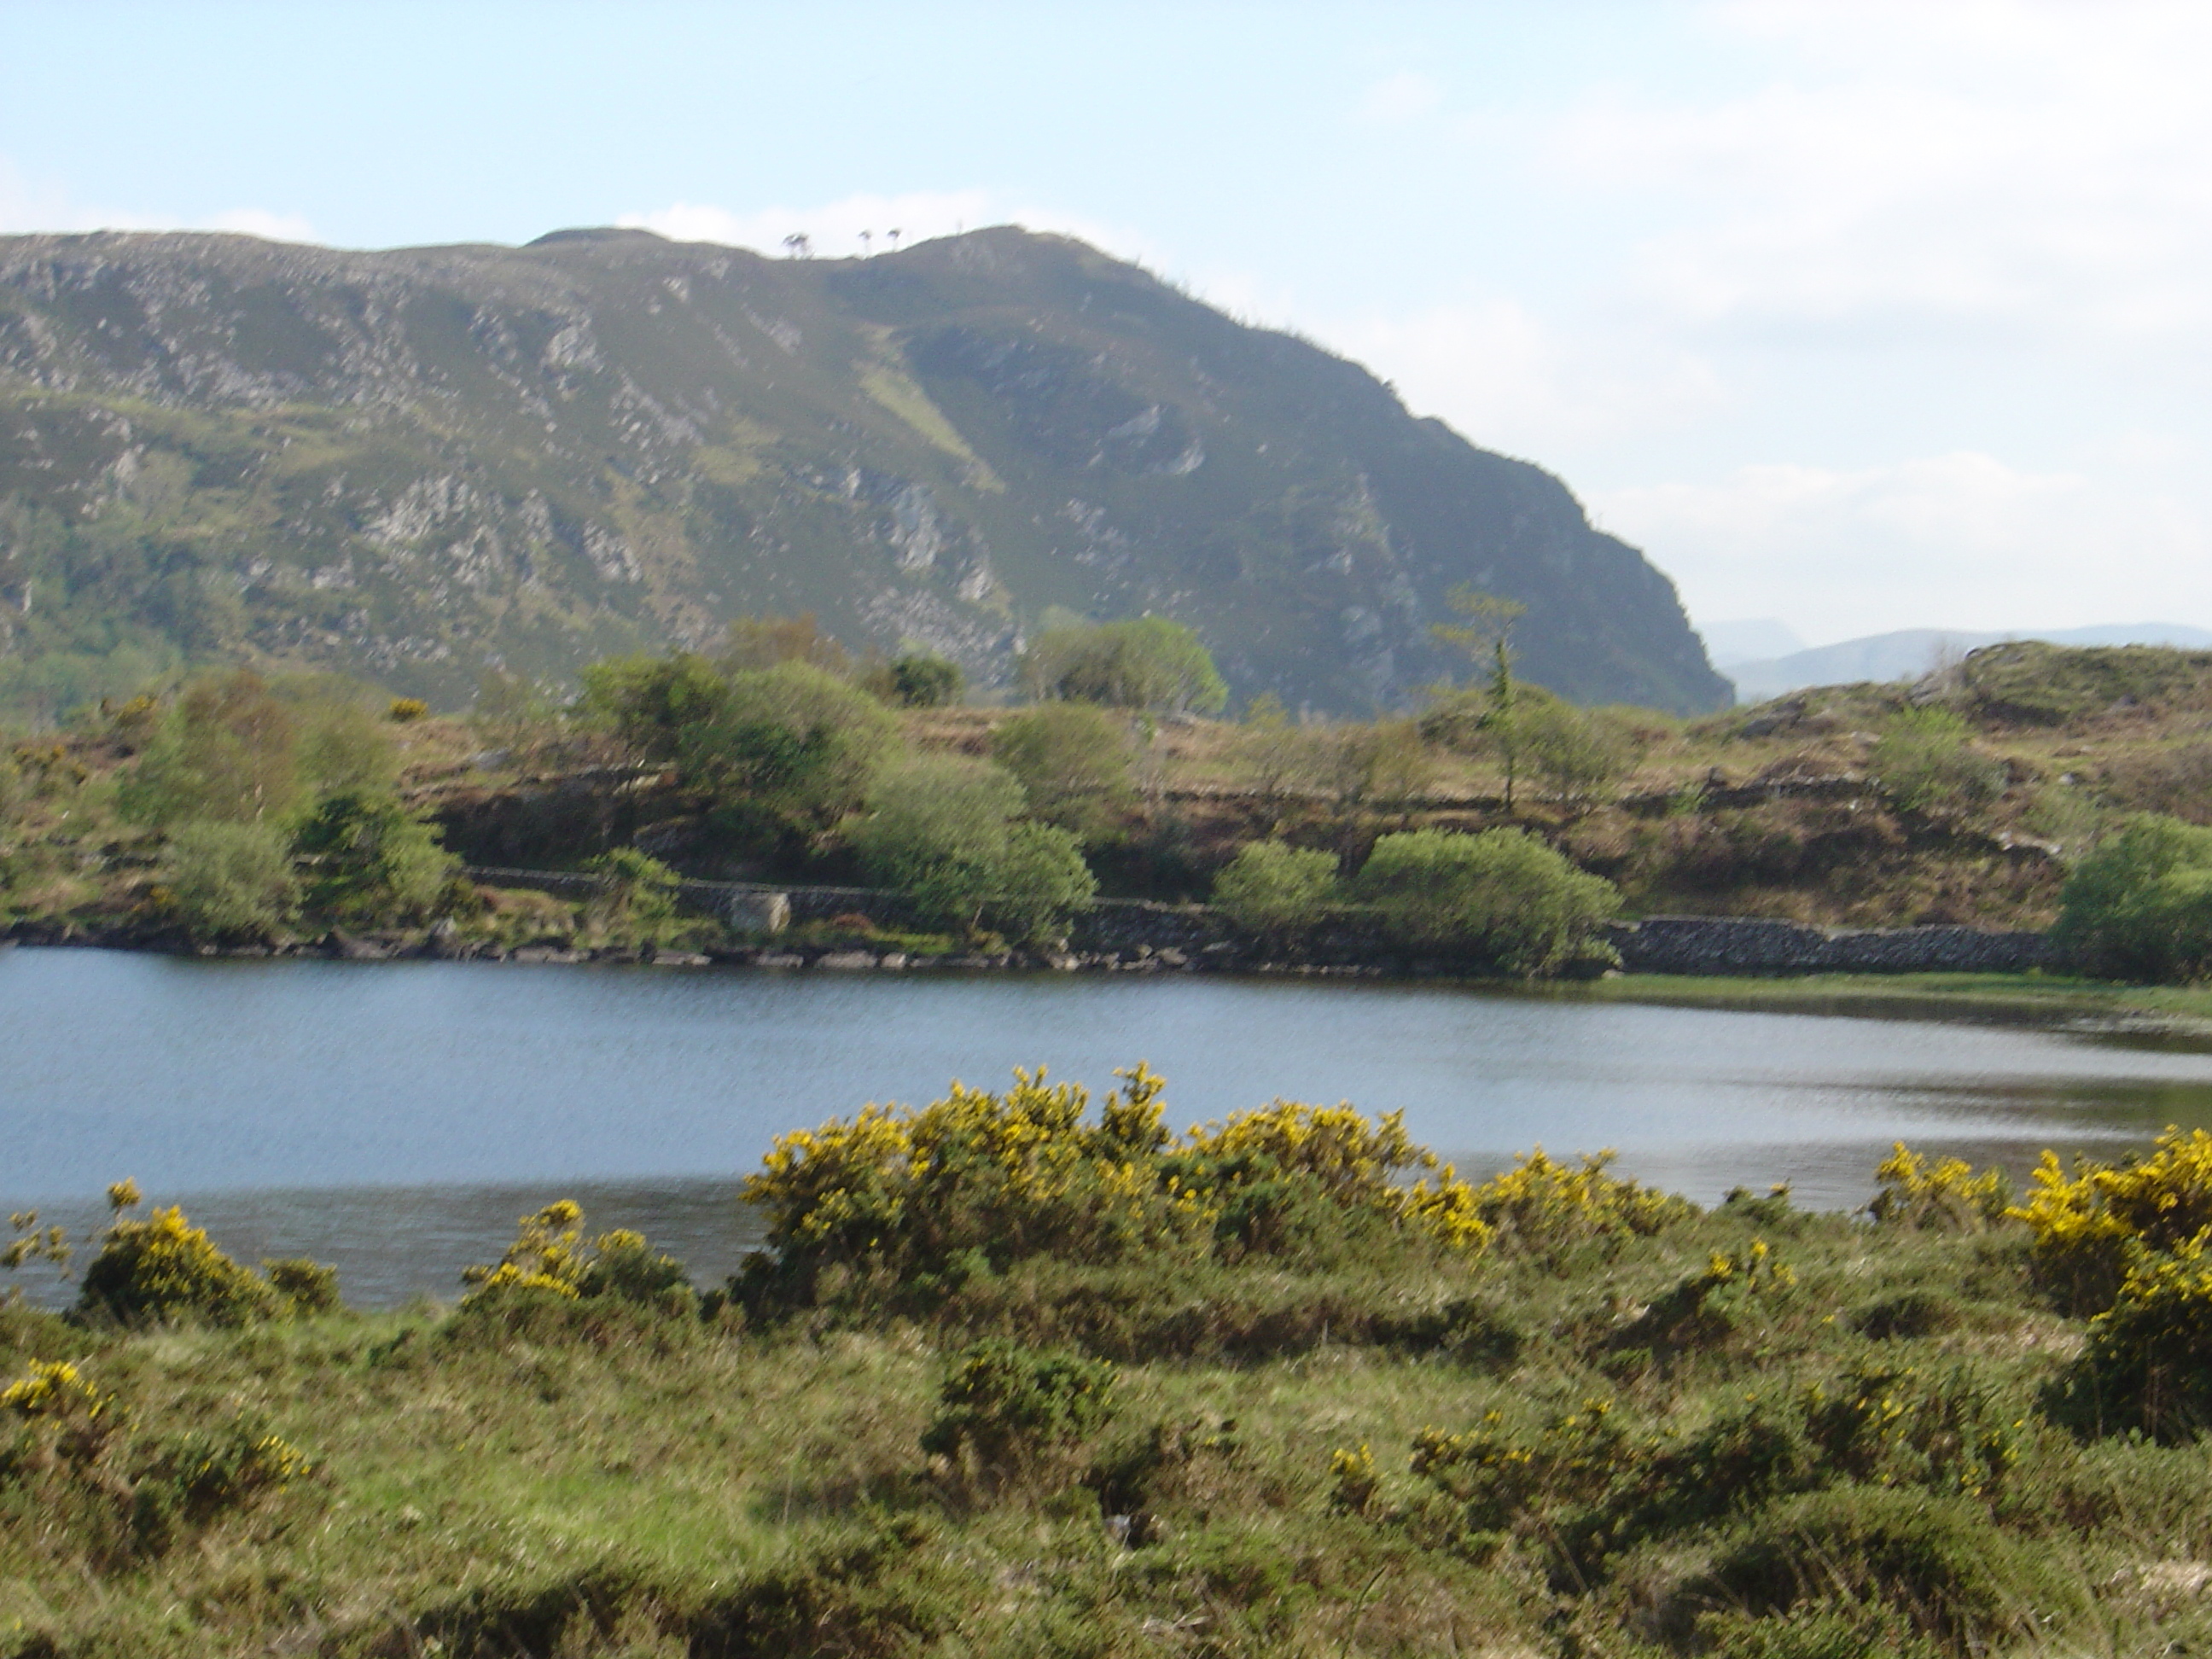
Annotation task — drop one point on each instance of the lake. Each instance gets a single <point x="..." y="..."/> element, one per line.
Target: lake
<point x="395" y="1118"/>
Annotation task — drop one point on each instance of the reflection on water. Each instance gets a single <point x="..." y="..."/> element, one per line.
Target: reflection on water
<point x="396" y="1118"/>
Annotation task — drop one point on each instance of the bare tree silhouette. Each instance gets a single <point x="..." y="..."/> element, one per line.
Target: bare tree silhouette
<point x="892" y="236"/>
<point x="867" y="239"/>
<point x="799" y="245"/>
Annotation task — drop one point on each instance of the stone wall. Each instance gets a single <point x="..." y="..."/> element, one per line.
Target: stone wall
<point x="1658" y="945"/>
<point x="1735" y="945"/>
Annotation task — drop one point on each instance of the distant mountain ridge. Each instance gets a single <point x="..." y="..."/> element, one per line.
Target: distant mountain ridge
<point x="415" y="464"/>
<point x="1910" y="653"/>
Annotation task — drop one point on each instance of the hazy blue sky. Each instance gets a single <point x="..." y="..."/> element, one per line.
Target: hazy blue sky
<point x="1861" y="316"/>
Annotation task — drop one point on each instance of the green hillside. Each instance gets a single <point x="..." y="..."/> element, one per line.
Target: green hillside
<point x="416" y="464"/>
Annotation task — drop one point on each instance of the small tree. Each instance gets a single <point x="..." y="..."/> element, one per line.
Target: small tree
<point x="918" y="680"/>
<point x="226" y="751"/>
<point x="231" y="881"/>
<point x="1072" y="760"/>
<point x="942" y="830"/>
<point x="1486" y="635"/>
<point x="636" y="900"/>
<point x="1501" y="899"/>
<point x="1577" y="753"/>
<point x="1146" y="662"/>
<point x="370" y="862"/>
<point x="1275" y="889"/>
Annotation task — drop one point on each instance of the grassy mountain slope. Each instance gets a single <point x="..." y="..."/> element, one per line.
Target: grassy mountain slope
<point x="416" y="464"/>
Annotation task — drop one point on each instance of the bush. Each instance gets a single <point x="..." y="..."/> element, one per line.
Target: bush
<point x="1147" y="662"/>
<point x="923" y="681"/>
<point x="2087" y="1226"/>
<point x="788" y="750"/>
<point x="636" y="902"/>
<point x="1948" y="1196"/>
<point x="225" y="751"/>
<point x="915" y="1204"/>
<point x="163" y="1267"/>
<point x="2149" y="1362"/>
<point x="2139" y="906"/>
<point x="1010" y="1408"/>
<point x="550" y="1257"/>
<point x="1938" y="1563"/>
<point x="1925" y="762"/>
<point x="1072" y="760"/>
<point x="1500" y="899"/>
<point x="231" y="881"/>
<point x="370" y="862"/>
<point x="1579" y="753"/>
<point x="405" y="711"/>
<point x="1275" y="890"/>
<point x="940" y="830"/>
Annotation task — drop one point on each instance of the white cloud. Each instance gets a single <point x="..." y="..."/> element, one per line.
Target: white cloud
<point x="27" y="206"/>
<point x="1510" y="380"/>
<point x="2043" y="167"/>
<point x="1399" y="99"/>
<point x="1958" y="540"/>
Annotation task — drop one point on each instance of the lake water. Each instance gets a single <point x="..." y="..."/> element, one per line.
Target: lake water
<point x="395" y="1118"/>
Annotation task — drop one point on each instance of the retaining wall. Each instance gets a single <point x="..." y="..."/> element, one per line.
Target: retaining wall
<point x="1657" y="944"/>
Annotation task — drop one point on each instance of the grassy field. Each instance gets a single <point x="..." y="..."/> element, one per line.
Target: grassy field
<point x="1292" y="1412"/>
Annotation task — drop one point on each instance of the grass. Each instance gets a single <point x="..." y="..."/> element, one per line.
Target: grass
<point x="1667" y="1471"/>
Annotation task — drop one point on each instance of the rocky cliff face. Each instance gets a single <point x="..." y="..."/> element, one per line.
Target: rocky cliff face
<point x="421" y="463"/>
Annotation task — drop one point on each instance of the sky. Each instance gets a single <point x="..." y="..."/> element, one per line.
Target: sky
<point x="1858" y="316"/>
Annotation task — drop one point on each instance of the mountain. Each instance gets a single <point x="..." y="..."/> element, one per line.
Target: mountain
<point x="1910" y="653"/>
<point x="416" y="463"/>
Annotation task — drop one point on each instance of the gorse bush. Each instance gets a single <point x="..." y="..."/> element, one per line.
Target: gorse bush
<point x="2139" y="906"/>
<point x="921" y="1201"/>
<point x="1915" y="1192"/>
<point x="2086" y="1225"/>
<point x="1007" y="1408"/>
<point x="550" y="1256"/>
<point x="164" y="1268"/>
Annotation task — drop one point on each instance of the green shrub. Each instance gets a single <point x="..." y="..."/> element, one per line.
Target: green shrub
<point x="370" y="862"/>
<point x="1580" y="754"/>
<point x="164" y="1268"/>
<point x="405" y="711"/>
<point x="1938" y="1563"/>
<point x="636" y="902"/>
<point x="2139" y="906"/>
<point x="1925" y="762"/>
<point x="1072" y="760"/>
<point x="225" y="750"/>
<point x="1275" y="889"/>
<point x="1500" y="899"/>
<point x="2148" y="1361"/>
<point x="1010" y="1407"/>
<point x="231" y="881"/>
<point x="1146" y="662"/>
<point x="788" y="751"/>
<point x="923" y="681"/>
<point x="942" y="831"/>
<point x="308" y="1287"/>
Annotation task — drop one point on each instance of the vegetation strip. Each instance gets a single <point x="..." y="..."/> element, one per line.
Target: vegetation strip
<point x="1025" y="1373"/>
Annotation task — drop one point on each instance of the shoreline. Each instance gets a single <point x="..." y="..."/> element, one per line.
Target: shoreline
<point x="2032" y="998"/>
